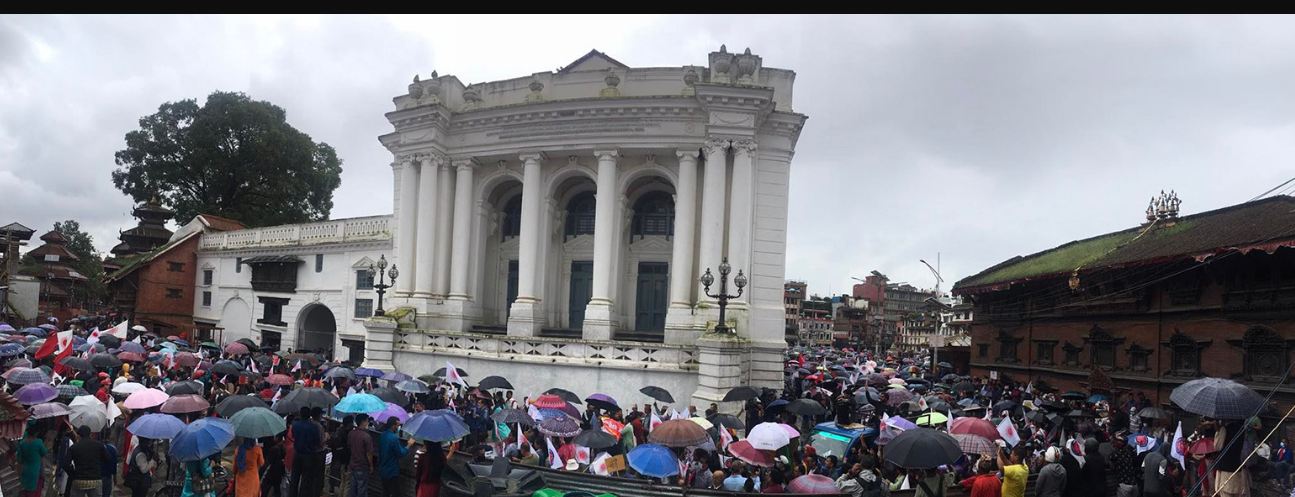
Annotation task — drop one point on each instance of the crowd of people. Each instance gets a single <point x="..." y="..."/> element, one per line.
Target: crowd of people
<point x="122" y="411"/>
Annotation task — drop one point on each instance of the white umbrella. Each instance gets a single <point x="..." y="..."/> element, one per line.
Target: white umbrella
<point x="768" y="436"/>
<point x="127" y="388"/>
<point x="88" y="411"/>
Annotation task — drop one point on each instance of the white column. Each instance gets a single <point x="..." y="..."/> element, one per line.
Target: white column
<point x="462" y="259"/>
<point x="685" y="220"/>
<point x="740" y="227"/>
<point x="444" y="206"/>
<point x="598" y="323"/>
<point x="710" y="234"/>
<point x="525" y="318"/>
<point x="427" y="227"/>
<point x="408" y="222"/>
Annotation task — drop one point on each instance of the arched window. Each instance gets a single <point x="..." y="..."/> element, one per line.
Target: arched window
<point x="653" y="215"/>
<point x="511" y="224"/>
<point x="580" y="215"/>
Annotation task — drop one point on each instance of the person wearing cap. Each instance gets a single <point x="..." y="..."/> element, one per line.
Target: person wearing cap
<point x="1052" y="476"/>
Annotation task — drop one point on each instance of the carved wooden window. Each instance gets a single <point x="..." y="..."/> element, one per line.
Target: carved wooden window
<point x="1185" y="354"/>
<point x="1007" y="347"/>
<point x="982" y="349"/>
<point x="274" y="273"/>
<point x="272" y="310"/>
<point x="1139" y="358"/>
<point x="1072" y="354"/>
<point x="1103" y="344"/>
<point x="1043" y="352"/>
<point x="1266" y="355"/>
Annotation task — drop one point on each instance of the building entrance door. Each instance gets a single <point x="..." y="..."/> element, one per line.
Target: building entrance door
<point x="582" y="280"/>
<point x="650" y="298"/>
<point x="512" y="287"/>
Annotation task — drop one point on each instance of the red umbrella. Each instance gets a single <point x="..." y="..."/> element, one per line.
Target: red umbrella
<point x="550" y="401"/>
<point x="743" y="450"/>
<point x="181" y="404"/>
<point x="131" y="357"/>
<point x="280" y="379"/>
<point x="812" y="484"/>
<point x="187" y="359"/>
<point x="235" y="348"/>
<point x="974" y="426"/>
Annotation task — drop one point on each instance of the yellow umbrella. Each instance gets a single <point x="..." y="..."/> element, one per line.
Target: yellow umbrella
<point x="931" y="419"/>
<point x="705" y="425"/>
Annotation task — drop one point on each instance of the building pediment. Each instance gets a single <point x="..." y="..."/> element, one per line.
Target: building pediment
<point x="592" y="61"/>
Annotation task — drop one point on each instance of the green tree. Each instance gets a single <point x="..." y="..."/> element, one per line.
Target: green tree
<point x="233" y="157"/>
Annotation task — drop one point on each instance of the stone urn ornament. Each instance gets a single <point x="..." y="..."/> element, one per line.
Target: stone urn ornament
<point x="612" y="81"/>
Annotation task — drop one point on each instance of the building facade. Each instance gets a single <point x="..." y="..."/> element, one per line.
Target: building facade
<point x="793" y="293"/>
<point x="552" y="228"/>
<point x="61" y="285"/>
<point x="1151" y="307"/>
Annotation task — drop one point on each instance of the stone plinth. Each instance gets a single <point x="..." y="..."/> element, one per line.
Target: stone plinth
<point x="721" y="367"/>
<point x="381" y="335"/>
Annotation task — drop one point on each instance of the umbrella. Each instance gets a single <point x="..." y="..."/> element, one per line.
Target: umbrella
<point x="974" y="426"/>
<point x="397" y="376"/>
<point x="110" y="341"/>
<point x="157" y="426"/>
<point x="278" y="379"/>
<point x="767" y="436"/>
<point x="654" y="460"/>
<point x="901" y="423"/>
<point x="39" y="332"/>
<point x="413" y="386"/>
<point x="369" y="372"/>
<point x="35" y="393"/>
<point x="360" y="403"/>
<point x="77" y="363"/>
<point x="201" y="439"/>
<point x="69" y="391"/>
<point x="89" y="413"/>
<point x="1004" y="405"/>
<point x="227" y="368"/>
<point x="566" y="395"/>
<point x="440" y="425"/>
<point x="678" y="433"/>
<point x="25" y="376"/>
<point x="741" y="393"/>
<point x="806" y="407"/>
<point x="18" y="363"/>
<point x="1051" y="406"/>
<point x="392" y="411"/>
<point x="923" y="448"/>
<point x="743" y="450"/>
<point x="186" y="403"/>
<point x="1097" y="397"/>
<point x="388" y="394"/>
<point x="896" y="397"/>
<point x="130" y="356"/>
<point x="189" y="387"/>
<point x="1074" y="395"/>
<point x="866" y="395"/>
<point x="549" y="401"/>
<point x="657" y="393"/>
<point x="309" y="397"/>
<point x="247" y="342"/>
<point x="1217" y="398"/>
<point x="187" y="359"/>
<point x="133" y="347"/>
<point x="594" y="439"/>
<point x="974" y="444"/>
<point x="495" y="383"/>
<point x="237" y="403"/>
<point x="562" y="426"/>
<point x="931" y="419"/>
<point x="340" y="372"/>
<point x="1153" y="412"/>
<point x="511" y="416"/>
<point x="257" y="422"/>
<point x="727" y="421"/>
<point x="11" y="349"/>
<point x="964" y="386"/>
<point x="440" y="373"/>
<point x="875" y="379"/>
<point x="127" y="388"/>
<point x="945" y="365"/>
<point x="812" y="484"/>
<point x="49" y="410"/>
<point x="105" y="361"/>
<point x="236" y="349"/>
<point x="603" y="401"/>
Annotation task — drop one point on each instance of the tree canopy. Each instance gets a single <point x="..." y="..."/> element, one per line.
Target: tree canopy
<point x="233" y="157"/>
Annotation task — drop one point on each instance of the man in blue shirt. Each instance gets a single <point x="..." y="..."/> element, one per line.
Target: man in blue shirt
<point x="390" y="452"/>
<point x="308" y="462"/>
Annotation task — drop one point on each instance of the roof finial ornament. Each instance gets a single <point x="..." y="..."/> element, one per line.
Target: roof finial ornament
<point x="415" y="78"/>
<point x="1164" y="207"/>
<point x="434" y="76"/>
<point x="723" y="48"/>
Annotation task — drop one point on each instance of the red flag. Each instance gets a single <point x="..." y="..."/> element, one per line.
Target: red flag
<point x="64" y="339"/>
<point x="274" y="361"/>
<point x="47" y="348"/>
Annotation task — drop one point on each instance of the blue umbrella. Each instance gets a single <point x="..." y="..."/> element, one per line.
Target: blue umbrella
<point x="369" y="372"/>
<point x="181" y="343"/>
<point x="360" y="403"/>
<point x="1097" y="397"/>
<point x="441" y="425"/>
<point x="777" y="404"/>
<point x="77" y="340"/>
<point x="133" y="347"/>
<point x="201" y="439"/>
<point x="48" y="326"/>
<point x="657" y="461"/>
<point x="11" y="349"/>
<point x="157" y="426"/>
<point x="34" y="332"/>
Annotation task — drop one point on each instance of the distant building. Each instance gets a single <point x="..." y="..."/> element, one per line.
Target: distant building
<point x="850" y="321"/>
<point x="793" y="293"/>
<point x="816" y="321"/>
<point x="906" y="316"/>
<point x="149" y="234"/>
<point x="19" y="294"/>
<point x="60" y="284"/>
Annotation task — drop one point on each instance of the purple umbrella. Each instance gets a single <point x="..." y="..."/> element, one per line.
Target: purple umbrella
<point x="602" y="401"/>
<point x="396" y="376"/>
<point x="133" y="347"/>
<point x="369" y="372"/>
<point x="902" y="423"/>
<point x="24" y="376"/>
<point x="49" y="410"/>
<point x="36" y="393"/>
<point x="560" y="426"/>
<point x="392" y="411"/>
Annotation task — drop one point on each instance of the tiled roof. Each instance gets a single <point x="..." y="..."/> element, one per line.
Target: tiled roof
<point x="1238" y="227"/>
<point x="221" y="223"/>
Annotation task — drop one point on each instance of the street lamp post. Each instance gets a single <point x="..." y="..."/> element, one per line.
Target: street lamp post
<point x="381" y="286"/>
<point x="739" y="281"/>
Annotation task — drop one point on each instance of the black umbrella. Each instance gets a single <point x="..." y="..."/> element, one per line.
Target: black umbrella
<point x="594" y="439"/>
<point x="806" y="407"/>
<point x="964" y="386"/>
<point x="440" y="373"/>
<point x="728" y="420"/>
<point x="741" y="393"/>
<point x="495" y="383"/>
<point x="658" y="393"/>
<point x="566" y="395"/>
<point x="305" y="397"/>
<point x="234" y="403"/>
<point x="1074" y="395"/>
<point x="1081" y="413"/>
<point x="105" y="361"/>
<point x="389" y="394"/>
<point x="1004" y="405"/>
<point x="77" y="363"/>
<point x="866" y="395"/>
<point x="512" y="416"/>
<point x="226" y="368"/>
<point x="923" y="448"/>
<point x="945" y="365"/>
<point x="1153" y="412"/>
<point x="249" y="343"/>
<point x="949" y="378"/>
<point x="340" y="372"/>
<point x="1217" y="398"/>
<point x="1051" y="405"/>
<point x="184" y="388"/>
<point x="110" y="341"/>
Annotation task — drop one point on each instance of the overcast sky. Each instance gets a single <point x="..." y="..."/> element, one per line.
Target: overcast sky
<point x="974" y="137"/>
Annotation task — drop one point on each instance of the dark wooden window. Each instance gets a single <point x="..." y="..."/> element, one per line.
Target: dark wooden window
<point x="982" y="349"/>
<point x="653" y="215"/>
<point x="363" y="308"/>
<point x="206" y="299"/>
<point x="1139" y="358"/>
<point x="238" y="264"/>
<point x="362" y="280"/>
<point x="319" y="263"/>
<point x="1043" y="352"/>
<point x="206" y="277"/>
<point x="174" y="267"/>
<point x="272" y="311"/>
<point x="274" y="273"/>
<point x="580" y="215"/>
<point x="1072" y="354"/>
<point x="1185" y="354"/>
<point x="174" y="293"/>
<point x="510" y="223"/>
<point x="1102" y="344"/>
<point x="1266" y="354"/>
<point x="1007" y="347"/>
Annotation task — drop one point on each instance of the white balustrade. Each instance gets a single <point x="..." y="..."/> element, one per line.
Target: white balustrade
<point x="341" y="230"/>
<point x="550" y="350"/>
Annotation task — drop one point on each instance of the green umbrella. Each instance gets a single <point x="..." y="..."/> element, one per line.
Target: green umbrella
<point x="257" y="422"/>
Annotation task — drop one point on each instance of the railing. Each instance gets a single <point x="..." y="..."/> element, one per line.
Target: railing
<point x="546" y="350"/>
<point x="336" y="231"/>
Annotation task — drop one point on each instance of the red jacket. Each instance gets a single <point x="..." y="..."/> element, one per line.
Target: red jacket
<point x="983" y="486"/>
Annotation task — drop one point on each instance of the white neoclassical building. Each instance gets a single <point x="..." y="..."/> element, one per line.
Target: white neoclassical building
<point x="552" y="228"/>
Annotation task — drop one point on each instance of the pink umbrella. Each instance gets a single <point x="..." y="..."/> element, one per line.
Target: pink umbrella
<point x="280" y="379"/>
<point x="235" y="349"/>
<point x="180" y="404"/>
<point x="144" y="399"/>
<point x="392" y="411"/>
<point x="812" y="484"/>
<point x="791" y="432"/>
<point x="974" y="426"/>
<point x="743" y="450"/>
